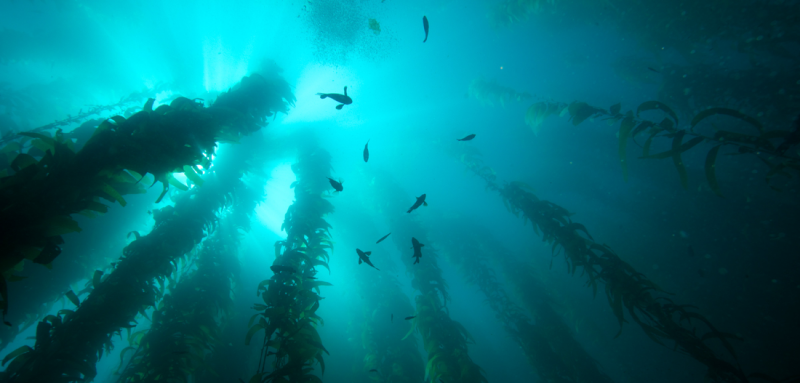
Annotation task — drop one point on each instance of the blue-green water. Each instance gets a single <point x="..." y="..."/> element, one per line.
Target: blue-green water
<point x="479" y="72"/>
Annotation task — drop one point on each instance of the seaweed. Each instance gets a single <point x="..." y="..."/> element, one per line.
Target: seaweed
<point x="546" y="340"/>
<point x="445" y="340"/>
<point x="489" y="92"/>
<point x="71" y="342"/>
<point x="288" y="314"/>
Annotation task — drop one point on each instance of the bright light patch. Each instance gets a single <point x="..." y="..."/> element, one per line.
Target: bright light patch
<point x="221" y="67"/>
<point x="315" y="79"/>
<point x="279" y="197"/>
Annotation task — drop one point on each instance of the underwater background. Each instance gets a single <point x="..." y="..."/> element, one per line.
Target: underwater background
<point x="610" y="191"/>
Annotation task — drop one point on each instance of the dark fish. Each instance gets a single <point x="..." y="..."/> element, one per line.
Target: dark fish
<point x="392" y="318"/>
<point x="311" y="277"/>
<point x="343" y="98"/>
<point x="467" y="138"/>
<point x="373" y="370"/>
<point x="411" y="317"/>
<point x="425" y="25"/>
<point x="653" y="70"/>
<point x="364" y="257"/>
<point x="336" y="185"/>
<point x="382" y="238"/>
<point x="180" y="352"/>
<point x="420" y="201"/>
<point x="702" y="273"/>
<point x="417" y="249"/>
<point x="690" y="250"/>
<point x="278" y="268"/>
<point x="366" y="152"/>
<point x="792" y="140"/>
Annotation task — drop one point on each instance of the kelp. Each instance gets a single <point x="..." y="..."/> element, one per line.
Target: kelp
<point x="42" y="194"/>
<point x="69" y="344"/>
<point x="490" y="92"/>
<point x="187" y="322"/>
<point x="445" y="340"/>
<point x="764" y="145"/>
<point x="186" y="326"/>
<point x="394" y="358"/>
<point x="546" y="340"/>
<point x="291" y="299"/>
<point x="626" y="289"/>
<point x="537" y="112"/>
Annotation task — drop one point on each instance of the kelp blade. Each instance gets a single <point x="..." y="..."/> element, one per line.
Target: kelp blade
<point x="728" y="112"/>
<point x="711" y="165"/>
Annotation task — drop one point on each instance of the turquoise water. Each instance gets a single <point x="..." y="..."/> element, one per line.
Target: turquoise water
<point x="482" y="72"/>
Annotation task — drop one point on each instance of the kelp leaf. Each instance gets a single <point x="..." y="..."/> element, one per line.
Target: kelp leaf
<point x="98" y="274"/>
<point x="106" y="188"/>
<point x="60" y="224"/>
<point x="73" y="298"/>
<point x="16" y="353"/>
<point x="253" y="330"/>
<point x="148" y="106"/>
<point x="711" y="160"/>
<point x="614" y="109"/>
<point x="682" y="148"/>
<point x="192" y="175"/>
<point x="676" y="158"/>
<point x="624" y="132"/>
<point x="652" y="105"/>
<point x="728" y="112"/>
<point x="174" y="182"/>
<point x="22" y="161"/>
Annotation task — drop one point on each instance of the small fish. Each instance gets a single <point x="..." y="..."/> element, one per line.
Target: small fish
<point x="420" y="201"/>
<point x="364" y="257"/>
<point x="651" y="68"/>
<point x="180" y="352"/>
<point x="343" y="98"/>
<point x="467" y="138"/>
<point x="311" y="277"/>
<point x="382" y="238"/>
<point x="336" y="185"/>
<point x="425" y="25"/>
<point x="417" y="249"/>
<point x="690" y="250"/>
<point x="392" y="318"/>
<point x="366" y="152"/>
<point x="373" y="370"/>
<point x="702" y="273"/>
<point x="278" y="268"/>
<point x="411" y="317"/>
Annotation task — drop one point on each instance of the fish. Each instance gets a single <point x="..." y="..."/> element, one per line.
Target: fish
<point x="420" y="201"/>
<point x="382" y="238"/>
<point x="651" y="68"/>
<point x="425" y="25"/>
<point x="417" y="249"/>
<point x="366" y="152"/>
<point x="690" y="250"/>
<point x="336" y="185"/>
<point x="467" y="138"/>
<point x="411" y="317"/>
<point x="392" y="320"/>
<point x="364" y="257"/>
<point x="278" y="268"/>
<point x="373" y="370"/>
<point x="343" y="98"/>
